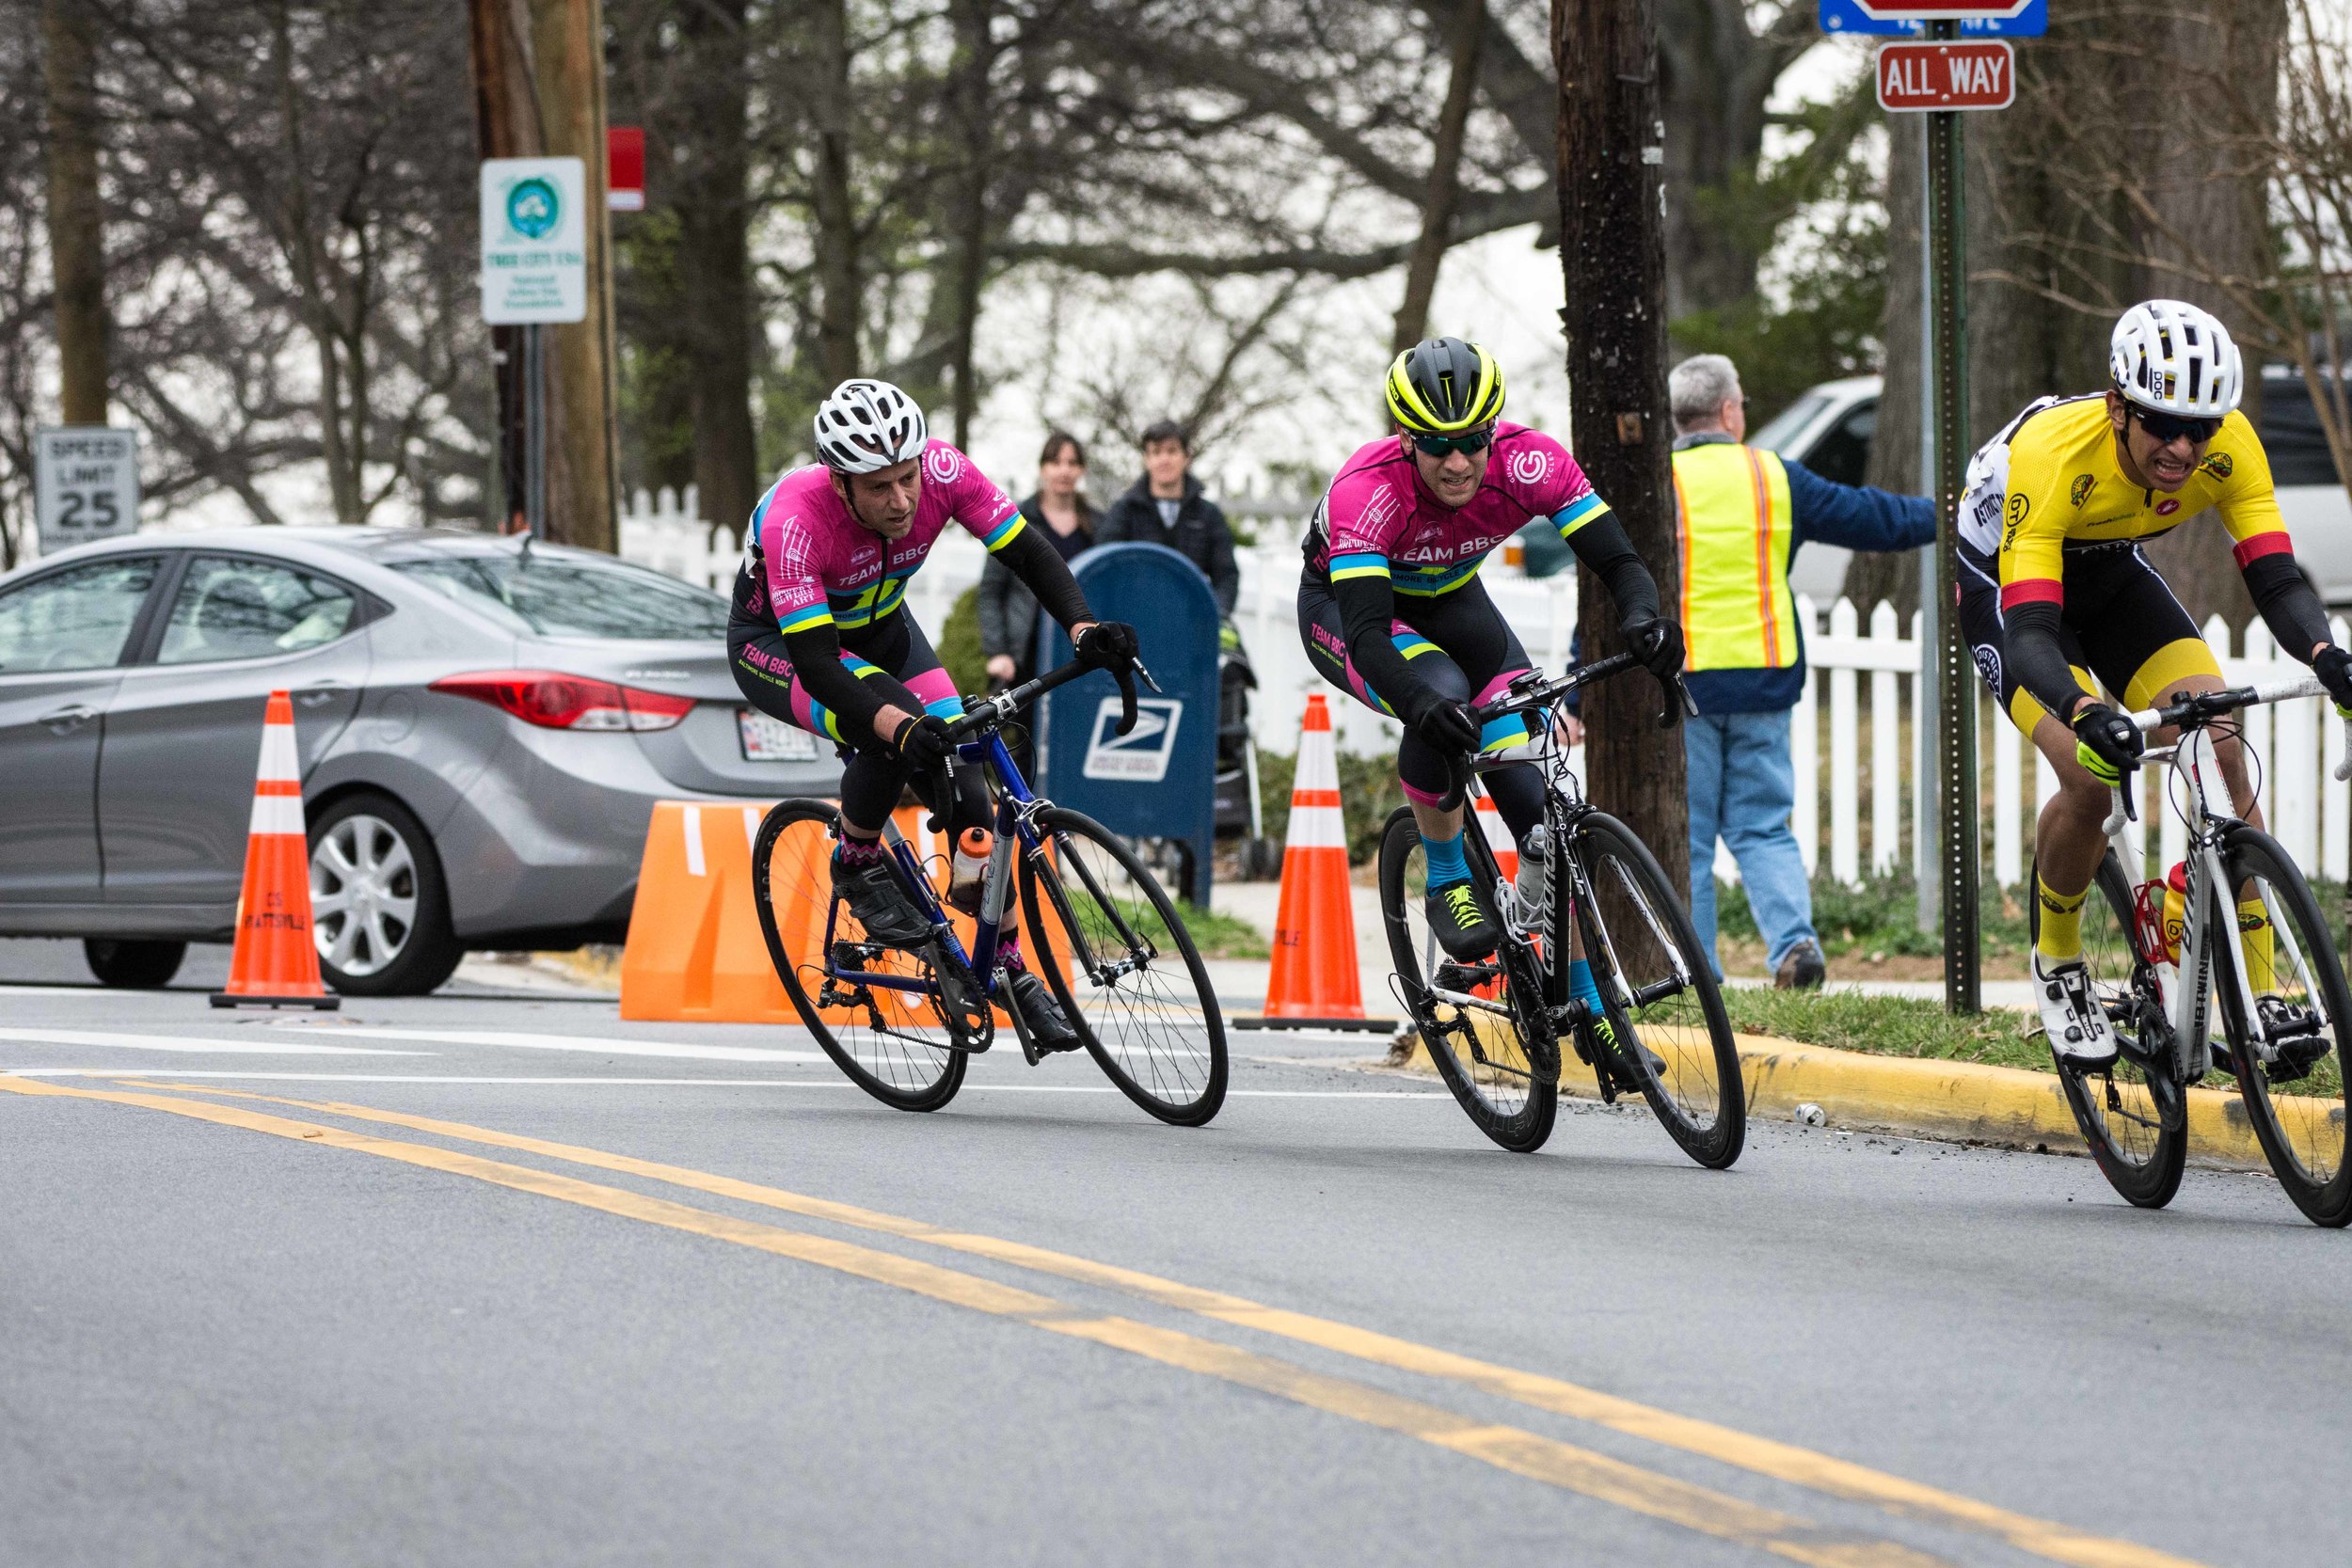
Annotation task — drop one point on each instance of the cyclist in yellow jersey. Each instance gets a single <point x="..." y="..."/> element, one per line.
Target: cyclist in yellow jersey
<point x="2055" y="590"/>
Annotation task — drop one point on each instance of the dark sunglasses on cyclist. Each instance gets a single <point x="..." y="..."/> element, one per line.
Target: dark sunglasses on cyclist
<point x="2172" y="427"/>
<point x="1442" y="446"/>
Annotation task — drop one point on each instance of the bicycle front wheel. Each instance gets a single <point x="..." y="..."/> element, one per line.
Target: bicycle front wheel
<point x="894" y="1044"/>
<point x="2131" y="1113"/>
<point x="1510" y="1091"/>
<point x="1132" y="984"/>
<point x="2290" y="1056"/>
<point x="1659" y="987"/>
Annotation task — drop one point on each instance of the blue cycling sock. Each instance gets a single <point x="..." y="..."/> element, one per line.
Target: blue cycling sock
<point x="1581" y="985"/>
<point x="1447" y="864"/>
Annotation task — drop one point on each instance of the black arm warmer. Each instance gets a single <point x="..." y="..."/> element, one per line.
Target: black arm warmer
<point x="1602" y="544"/>
<point x="1367" y="609"/>
<point x="816" y="656"/>
<point x="1044" y="573"/>
<point x="2030" y="641"/>
<point x="2289" y="607"/>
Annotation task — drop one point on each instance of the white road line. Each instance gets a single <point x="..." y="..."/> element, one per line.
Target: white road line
<point x="970" y="1087"/>
<point x="193" y="1044"/>
<point x="601" y="1045"/>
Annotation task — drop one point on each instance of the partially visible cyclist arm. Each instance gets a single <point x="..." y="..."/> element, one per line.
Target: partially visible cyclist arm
<point x="2249" y="505"/>
<point x="2033" y="594"/>
<point x="1601" y="542"/>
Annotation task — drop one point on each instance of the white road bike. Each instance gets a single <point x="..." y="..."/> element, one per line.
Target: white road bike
<point x="2284" y="1023"/>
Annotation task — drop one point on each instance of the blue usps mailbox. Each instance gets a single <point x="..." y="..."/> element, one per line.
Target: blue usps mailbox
<point x="1159" y="780"/>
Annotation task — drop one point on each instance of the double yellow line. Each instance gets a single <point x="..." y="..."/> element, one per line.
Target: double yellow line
<point x="1554" y="1463"/>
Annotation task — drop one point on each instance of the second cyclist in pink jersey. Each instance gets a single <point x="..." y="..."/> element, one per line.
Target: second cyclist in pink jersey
<point x="1391" y="611"/>
<point x="820" y="638"/>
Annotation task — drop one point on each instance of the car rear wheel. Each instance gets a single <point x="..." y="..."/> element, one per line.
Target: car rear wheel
<point x="129" y="965"/>
<point x="378" y="904"/>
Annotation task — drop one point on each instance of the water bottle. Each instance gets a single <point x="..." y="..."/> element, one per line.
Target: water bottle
<point x="1532" y="904"/>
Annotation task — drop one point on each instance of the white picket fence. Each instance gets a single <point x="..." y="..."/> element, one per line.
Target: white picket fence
<point x="1872" y="679"/>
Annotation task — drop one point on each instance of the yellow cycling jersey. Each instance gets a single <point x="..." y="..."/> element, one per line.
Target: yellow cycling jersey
<point x="2053" y="481"/>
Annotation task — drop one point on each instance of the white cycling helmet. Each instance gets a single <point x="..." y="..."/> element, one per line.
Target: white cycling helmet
<point x="2175" y="359"/>
<point x="863" y="425"/>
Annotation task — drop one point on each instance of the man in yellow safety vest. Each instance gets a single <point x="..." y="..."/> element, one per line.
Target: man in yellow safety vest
<point x="1744" y="510"/>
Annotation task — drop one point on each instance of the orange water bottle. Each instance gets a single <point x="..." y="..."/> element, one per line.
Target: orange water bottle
<point x="2175" y="911"/>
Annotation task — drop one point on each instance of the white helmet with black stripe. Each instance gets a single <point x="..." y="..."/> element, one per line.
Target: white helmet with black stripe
<point x="863" y="425"/>
<point x="2172" y="358"/>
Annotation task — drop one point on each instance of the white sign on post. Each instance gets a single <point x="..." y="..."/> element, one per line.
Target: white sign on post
<point x="86" y="484"/>
<point x="534" y="242"/>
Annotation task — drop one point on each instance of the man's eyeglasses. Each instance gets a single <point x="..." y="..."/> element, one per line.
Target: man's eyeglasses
<point x="2172" y="427"/>
<point x="1445" y="445"/>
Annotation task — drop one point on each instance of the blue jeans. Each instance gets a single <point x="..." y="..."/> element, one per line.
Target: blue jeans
<point x="1742" y="787"/>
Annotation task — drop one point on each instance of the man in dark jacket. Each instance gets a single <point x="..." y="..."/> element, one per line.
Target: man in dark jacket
<point x="1167" y="507"/>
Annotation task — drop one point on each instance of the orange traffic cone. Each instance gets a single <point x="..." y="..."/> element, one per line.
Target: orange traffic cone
<point x="1313" y="983"/>
<point x="1498" y="839"/>
<point x="275" y="963"/>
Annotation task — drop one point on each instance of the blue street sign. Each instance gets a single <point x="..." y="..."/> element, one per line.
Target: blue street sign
<point x="1845" y="16"/>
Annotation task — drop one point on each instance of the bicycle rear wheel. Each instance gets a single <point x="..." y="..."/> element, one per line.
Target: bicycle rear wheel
<point x="2290" y="1057"/>
<point x="1145" y="1014"/>
<point x="1508" y="1083"/>
<point x="2131" y="1114"/>
<point x="1638" y="936"/>
<point x="895" y="1045"/>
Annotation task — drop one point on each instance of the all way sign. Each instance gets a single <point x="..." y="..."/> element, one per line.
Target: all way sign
<point x="1917" y="77"/>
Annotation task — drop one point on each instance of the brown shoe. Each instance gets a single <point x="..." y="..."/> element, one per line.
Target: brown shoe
<point x="1802" y="970"/>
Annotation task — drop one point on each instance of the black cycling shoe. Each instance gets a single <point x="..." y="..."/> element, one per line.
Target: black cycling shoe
<point x="1459" y="920"/>
<point x="1044" y="1027"/>
<point x="880" y="905"/>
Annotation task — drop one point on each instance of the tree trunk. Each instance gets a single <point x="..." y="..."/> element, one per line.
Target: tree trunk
<point x="568" y="53"/>
<point x="77" y="236"/>
<point x="1445" y="172"/>
<point x="836" y="218"/>
<point x="506" y="125"/>
<point x="714" y="265"/>
<point x="1714" y="78"/>
<point x="1612" y="251"/>
<point x="968" y="110"/>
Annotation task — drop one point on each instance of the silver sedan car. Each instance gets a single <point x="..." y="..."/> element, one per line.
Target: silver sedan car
<point x="484" y="729"/>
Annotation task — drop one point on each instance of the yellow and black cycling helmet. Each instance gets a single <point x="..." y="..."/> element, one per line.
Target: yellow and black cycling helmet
<point x="1444" y="386"/>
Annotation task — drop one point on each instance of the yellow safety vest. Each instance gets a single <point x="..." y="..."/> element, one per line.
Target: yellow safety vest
<point x="1737" y="612"/>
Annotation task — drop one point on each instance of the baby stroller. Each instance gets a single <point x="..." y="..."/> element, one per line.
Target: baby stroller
<point x="1238" y="814"/>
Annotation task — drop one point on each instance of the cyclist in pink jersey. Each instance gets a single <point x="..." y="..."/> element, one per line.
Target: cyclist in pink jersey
<point x="820" y="638"/>
<point x="1392" y="611"/>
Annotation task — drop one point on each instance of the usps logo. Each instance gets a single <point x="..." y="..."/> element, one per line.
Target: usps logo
<point x="1141" y="755"/>
<point x="1529" y="466"/>
<point x="942" y="463"/>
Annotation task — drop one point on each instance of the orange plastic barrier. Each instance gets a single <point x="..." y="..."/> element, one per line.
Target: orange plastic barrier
<point x="275" y="961"/>
<point x="1313" y="983"/>
<point x="696" y="953"/>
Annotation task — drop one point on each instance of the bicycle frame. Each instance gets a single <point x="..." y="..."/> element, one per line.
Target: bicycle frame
<point x="2203" y="951"/>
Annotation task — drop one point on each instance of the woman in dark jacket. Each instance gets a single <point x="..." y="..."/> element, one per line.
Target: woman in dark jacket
<point x="1060" y="513"/>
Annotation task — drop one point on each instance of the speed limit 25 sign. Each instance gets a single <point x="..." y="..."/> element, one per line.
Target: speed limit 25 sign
<point x="86" y="484"/>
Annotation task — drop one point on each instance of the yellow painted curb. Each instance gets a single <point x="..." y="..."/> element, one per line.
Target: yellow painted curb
<point x="1918" y="1096"/>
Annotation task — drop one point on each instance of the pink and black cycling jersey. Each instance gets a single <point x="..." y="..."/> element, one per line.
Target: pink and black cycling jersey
<point x="1378" y="520"/>
<point x="820" y="566"/>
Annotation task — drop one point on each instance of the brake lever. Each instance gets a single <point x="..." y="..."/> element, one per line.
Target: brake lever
<point x="1144" y="670"/>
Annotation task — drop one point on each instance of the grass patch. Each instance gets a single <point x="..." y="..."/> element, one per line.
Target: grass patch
<point x="1880" y="915"/>
<point x="1886" y="1026"/>
<point x="1369" y="791"/>
<point x="1217" y="935"/>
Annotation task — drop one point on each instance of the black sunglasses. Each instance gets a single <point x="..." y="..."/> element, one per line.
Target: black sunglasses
<point x="2172" y="427"/>
<point x="1442" y="446"/>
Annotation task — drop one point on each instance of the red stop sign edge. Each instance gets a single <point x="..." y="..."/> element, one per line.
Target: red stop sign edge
<point x="1901" y="48"/>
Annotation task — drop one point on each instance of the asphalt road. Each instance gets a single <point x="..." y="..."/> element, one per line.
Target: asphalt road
<point x="478" y="1279"/>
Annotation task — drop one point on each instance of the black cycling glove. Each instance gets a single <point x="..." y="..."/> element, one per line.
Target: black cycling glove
<point x="1446" y="727"/>
<point x="922" y="739"/>
<point x="2333" y="666"/>
<point x="1658" y="644"/>
<point x="2107" y="743"/>
<point x="1108" y="645"/>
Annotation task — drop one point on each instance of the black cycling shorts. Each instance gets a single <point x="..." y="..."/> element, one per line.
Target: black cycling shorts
<point x="2119" y="623"/>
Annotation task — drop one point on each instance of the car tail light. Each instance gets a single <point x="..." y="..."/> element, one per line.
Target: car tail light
<point x="556" y="701"/>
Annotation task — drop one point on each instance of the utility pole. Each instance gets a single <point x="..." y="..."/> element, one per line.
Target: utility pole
<point x="1612" y="249"/>
<point x="77" y="235"/>
<point x="538" y="68"/>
